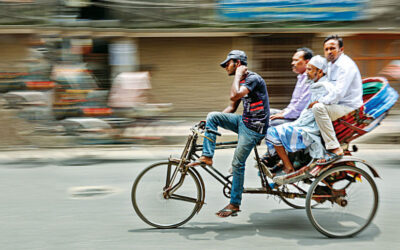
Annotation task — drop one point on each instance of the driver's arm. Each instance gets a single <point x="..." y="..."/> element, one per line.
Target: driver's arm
<point x="237" y="91"/>
<point x="232" y="107"/>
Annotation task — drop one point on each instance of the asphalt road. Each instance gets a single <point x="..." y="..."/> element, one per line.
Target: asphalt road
<point x="74" y="206"/>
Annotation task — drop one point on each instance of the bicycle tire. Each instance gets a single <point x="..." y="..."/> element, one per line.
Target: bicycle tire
<point x="338" y="224"/>
<point x="148" y="187"/>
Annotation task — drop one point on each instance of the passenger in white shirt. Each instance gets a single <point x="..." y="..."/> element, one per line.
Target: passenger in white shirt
<point x="343" y="73"/>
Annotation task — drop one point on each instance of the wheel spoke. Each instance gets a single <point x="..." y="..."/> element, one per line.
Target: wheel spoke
<point x="168" y="176"/>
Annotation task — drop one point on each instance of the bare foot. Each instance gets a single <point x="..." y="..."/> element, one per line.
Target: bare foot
<point x="229" y="210"/>
<point x="288" y="170"/>
<point x="202" y="160"/>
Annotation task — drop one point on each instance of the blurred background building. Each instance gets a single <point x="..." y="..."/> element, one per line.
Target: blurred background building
<point x="64" y="55"/>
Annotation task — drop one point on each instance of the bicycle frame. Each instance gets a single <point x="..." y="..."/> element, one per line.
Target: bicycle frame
<point x="189" y="154"/>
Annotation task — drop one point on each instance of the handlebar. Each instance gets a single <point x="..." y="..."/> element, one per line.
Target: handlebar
<point x="201" y="127"/>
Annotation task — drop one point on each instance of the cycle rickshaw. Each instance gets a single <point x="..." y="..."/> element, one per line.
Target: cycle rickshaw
<point x="340" y="198"/>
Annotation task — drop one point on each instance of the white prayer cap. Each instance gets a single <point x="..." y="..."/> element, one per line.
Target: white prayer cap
<point x="319" y="62"/>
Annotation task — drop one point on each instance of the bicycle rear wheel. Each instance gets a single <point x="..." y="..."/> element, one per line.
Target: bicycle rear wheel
<point x="348" y="200"/>
<point x="154" y="208"/>
<point x="299" y="188"/>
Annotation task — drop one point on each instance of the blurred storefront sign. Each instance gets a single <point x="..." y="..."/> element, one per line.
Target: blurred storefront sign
<point x="306" y="10"/>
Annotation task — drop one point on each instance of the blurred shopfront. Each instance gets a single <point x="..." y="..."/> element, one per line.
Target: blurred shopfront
<point x="184" y="66"/>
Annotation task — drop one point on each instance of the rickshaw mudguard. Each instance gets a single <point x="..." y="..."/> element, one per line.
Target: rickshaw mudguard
<point x="352" y="159"/>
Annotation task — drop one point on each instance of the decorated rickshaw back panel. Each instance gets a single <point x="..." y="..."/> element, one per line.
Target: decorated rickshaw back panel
<point x="378" y="99"/>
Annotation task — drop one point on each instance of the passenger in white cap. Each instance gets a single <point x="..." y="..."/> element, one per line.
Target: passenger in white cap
<point x="319" y="62"/>
<point x="304" y="132"/>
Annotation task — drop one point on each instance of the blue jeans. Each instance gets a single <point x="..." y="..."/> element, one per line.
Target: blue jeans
<point x="247" y="139"/>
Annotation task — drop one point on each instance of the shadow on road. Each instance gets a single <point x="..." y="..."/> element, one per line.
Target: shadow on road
<point x="26" y="163"/>
<point x="283" y="224"/>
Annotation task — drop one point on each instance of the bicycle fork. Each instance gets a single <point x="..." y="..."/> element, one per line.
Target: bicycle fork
<point x="169" y="189"/>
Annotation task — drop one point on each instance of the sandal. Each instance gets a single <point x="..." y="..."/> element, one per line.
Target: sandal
<point x="232" y="212"/>
<point x="329" y="157"/>
<point x="196" y="163"/>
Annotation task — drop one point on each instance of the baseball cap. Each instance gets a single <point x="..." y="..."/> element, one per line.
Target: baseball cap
<point x="319" y="62"/>
<point x="235" y="54"/>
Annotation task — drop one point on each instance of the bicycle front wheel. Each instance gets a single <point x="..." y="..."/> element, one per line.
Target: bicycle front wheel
<point x="348" y="200"/>
<point x="166" y="211"/>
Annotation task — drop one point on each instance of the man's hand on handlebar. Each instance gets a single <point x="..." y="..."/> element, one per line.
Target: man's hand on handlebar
<point x="202" y="124"/>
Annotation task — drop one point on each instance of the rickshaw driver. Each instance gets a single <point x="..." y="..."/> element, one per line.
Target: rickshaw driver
<point x="251" y="127"/>
<point x="343" y="73"/>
